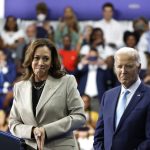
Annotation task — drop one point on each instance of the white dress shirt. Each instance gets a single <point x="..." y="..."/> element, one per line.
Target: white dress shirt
<point x="91" y="85"/>
<point x="104" y="52"/>
<point x="113" y="32"/>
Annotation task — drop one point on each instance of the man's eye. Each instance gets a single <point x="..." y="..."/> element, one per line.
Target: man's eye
<point x="119" y="66"/>
<point x="129" y="66"/>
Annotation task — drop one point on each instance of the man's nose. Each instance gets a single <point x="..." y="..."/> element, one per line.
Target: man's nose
<point x="123" y="69"/>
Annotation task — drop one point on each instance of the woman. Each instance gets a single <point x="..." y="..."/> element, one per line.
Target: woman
<point x="46" y="103"/>
<point x="68" y="24"/>
<point x="13" y="38"/>
<point x="11" y="34"/>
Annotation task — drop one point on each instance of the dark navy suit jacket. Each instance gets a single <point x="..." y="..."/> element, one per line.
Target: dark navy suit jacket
<point x="133" y="131"/>
<point x="101" y="80"/>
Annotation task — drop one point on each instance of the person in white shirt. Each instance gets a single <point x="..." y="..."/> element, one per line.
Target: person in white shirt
<point x="112" y="29"/>
<point x="97" y="41"/>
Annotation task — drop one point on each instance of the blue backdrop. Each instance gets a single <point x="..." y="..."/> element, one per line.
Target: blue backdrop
<point x="85" y="9"/>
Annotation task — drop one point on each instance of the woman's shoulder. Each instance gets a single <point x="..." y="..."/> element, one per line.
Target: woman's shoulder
<point x="67" y="77"/>
<point x="21" y="83"/>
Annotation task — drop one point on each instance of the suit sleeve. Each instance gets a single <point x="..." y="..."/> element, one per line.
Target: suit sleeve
<point x="145" y="145"/>
<point x="16" y="125"/>
<point x="76" y="117"/>
<point x="99" y="132"/>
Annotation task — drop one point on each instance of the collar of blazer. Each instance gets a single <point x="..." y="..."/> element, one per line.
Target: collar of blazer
<point x="50" y="88"/>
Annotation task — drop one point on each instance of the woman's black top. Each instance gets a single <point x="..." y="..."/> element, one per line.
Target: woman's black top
<point x="37" y="89"/>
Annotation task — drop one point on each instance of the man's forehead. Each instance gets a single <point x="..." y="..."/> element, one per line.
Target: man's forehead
<point x="125" y="56"/>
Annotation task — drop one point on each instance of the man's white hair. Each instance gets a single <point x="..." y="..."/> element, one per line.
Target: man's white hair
<point x="129" y="51"/>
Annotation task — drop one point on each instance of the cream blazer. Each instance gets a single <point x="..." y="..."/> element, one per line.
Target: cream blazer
<point x="59" y="110"/>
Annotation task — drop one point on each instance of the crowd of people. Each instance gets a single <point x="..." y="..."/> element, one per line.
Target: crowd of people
<point x="86" y="53"/>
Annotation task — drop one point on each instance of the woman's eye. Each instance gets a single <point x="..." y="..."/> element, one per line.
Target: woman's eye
<point x="36" y="58"/>
<point x="45" y="58"/>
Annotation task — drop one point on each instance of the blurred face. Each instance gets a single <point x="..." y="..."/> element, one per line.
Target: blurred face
<point x="41" y="63"/>
<point x="67" y="42"/>
<point x="131" y="41"/>
<point x="140" y="26"/>
<point x="98" y="35"/>
<point x="88" y="31"/>
<point x="68" y="11"/>
<point x="127" y="69"/>
<point x="69" y="16"/>
<point x="11" y="23"/>
<point x="86" y="102"/>
<point x="31" y="31"/>
<point x="107" y="13"/>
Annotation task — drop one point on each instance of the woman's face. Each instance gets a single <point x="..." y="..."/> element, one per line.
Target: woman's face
<point x="86" y="102"/>
<point x="98" y="35"/>
<point x="11" y="23"/>
<point x="41" y="63"/>
<point x="131" y="41"/>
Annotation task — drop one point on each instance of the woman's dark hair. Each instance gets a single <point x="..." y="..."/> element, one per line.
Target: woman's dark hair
<point x="93" y="34"/>
<point x="6" y="27"/>
<point x="55" y="69"/>
<point x="128" y="33"/>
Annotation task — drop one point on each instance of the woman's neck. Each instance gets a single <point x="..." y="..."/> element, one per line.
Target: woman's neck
<point x="38" y="79"/>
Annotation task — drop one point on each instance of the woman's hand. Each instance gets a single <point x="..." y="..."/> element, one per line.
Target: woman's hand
<point x="39" y="134"/>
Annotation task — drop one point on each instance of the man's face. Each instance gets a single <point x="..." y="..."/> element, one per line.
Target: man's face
<point x="127" y="69"/>
<point x="108" y="13"/>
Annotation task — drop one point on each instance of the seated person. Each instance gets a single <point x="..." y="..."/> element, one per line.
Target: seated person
<point x="7" y="76"/>
<point x="91" y="116"/>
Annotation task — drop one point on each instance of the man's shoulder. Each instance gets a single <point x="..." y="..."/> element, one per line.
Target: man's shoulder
<point x="146" y="87"/>
<point x="113" y="90"/>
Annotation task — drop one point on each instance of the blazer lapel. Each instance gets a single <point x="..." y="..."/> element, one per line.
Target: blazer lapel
<point x="28" y="100"/>
<point x="134" y="101"/>
<point x="50" y="87"/>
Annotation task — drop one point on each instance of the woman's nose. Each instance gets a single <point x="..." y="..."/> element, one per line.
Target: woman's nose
<point x="40" y="62"/>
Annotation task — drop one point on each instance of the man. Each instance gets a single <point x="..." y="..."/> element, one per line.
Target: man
<point x="91" y="77"/>
<point x="129" y="129"/>
<point x="112" y="29"/>
<point x="69" y="56"/>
